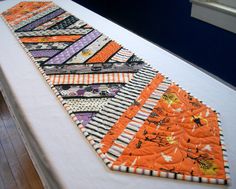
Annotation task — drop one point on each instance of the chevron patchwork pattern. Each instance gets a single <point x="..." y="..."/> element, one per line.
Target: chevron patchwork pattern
<point x="136" y="119"/>
<point x="85" y="67"/>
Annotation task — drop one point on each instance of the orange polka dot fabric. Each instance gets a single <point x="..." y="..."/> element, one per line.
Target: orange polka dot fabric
<point x="136" y="119"/>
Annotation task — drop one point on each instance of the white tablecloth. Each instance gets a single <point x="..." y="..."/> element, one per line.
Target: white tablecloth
<point x="60" y="152"/>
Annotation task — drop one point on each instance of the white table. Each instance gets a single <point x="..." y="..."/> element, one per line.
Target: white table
<point x="59" y="151"/>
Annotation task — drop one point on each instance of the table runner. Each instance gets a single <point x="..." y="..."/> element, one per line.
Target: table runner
<point x="149" y="126"/>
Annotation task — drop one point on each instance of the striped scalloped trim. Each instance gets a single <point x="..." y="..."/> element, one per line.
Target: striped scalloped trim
<point x="103" y="156"/>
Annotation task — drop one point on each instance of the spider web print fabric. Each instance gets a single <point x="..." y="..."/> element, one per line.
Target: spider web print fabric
<point x="136" y="119"/>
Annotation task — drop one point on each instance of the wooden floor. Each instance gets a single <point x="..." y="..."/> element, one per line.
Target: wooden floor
<point x="16" y="168"/>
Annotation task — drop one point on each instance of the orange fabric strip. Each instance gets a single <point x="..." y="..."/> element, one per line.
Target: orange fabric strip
<point x="61" y="38"/>
<point x="105" y="53"/>
<point x="124" y="119"/>
<point x="21" y="9"/>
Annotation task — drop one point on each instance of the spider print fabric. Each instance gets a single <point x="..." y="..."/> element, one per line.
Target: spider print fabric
<point x="136" y="119"/>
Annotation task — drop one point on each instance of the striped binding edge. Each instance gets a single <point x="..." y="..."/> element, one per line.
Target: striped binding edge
<point x="122" y="168"/>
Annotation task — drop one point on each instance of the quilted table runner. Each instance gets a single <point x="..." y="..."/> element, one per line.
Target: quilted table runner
<point x="136" y="119"/>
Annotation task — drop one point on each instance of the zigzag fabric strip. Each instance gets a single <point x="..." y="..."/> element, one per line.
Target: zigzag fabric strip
<point x="134" y="58"/>
<point x="52" y="22"/>
<point x="77" y="24"/>
<point x="84" y="117"/>
<point x="90" y="78"/>
<point x="40" y="60"/>
<point x="89" y="91"/>
<point x="105" y="53"/>
<point x="47" y="39"/>
<point x="85" y="105"/>
<point x="65" y="23"/>
<point x="43" y="46"/>
<point x="74" y="48"/>
<point x="54" y="32"/>
<point x="44" y="53"/>
<point x="42" y="20"/>
<point x="90" y="50"/>
<point x="121" y="56"/>
<point x="34" y="18"/>
<point x="136" y="119"/>
<point x="115" y="67"/>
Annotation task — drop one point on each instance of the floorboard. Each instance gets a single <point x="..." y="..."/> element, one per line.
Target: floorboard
<point x="18" y="169"/>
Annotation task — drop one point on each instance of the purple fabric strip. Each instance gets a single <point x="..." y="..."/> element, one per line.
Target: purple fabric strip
<point x="85" y="117"/>
<point x="40" y="21"/>
<point x="44" y="53"/>
<point x="74" y="48"/>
